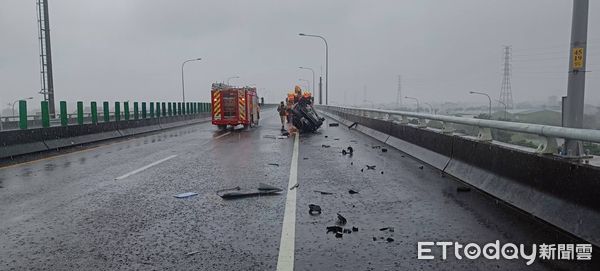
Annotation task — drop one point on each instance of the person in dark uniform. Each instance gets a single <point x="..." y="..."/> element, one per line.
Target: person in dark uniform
<point x="282" y="113"/>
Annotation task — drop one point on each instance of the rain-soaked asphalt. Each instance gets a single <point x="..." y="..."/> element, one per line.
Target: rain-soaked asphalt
<point x="111" y="207"/>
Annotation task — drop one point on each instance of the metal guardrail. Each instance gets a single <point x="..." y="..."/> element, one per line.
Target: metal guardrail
<point x="550" y="133"/>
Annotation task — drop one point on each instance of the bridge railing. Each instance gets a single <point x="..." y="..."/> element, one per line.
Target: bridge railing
<point x="549" y="134"/>
<point x="94" y="112"/>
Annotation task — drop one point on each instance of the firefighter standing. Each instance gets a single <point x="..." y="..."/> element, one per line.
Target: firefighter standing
<point x="282" y="113"/>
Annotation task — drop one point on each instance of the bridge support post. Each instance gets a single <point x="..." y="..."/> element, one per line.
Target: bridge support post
<point x="484" y="134"/>
<point x="23" y="114"/>
<point x="447" y="129"/>
<point x="422" y="123"/>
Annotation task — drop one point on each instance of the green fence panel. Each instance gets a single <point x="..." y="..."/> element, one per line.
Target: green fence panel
<point x="151" y="110"/>
<point x="143" y="110"/>
<point x="94" y="108"/>
<point x="23" y="114"/>
<point x="106" y="111"/>
<point x="170" y="109"/>
<point x="64" y="118"/>
<point x="164" y="109"/>
<point x="136" y="114"/>
<point x="80" y="113"/>
<point x="126" y="110"/>
<point x="157" y="109"/>
<point x="117" y="111"/>
<point x="45" y="114"/>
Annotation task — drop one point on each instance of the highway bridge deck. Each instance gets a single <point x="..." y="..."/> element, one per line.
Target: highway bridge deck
<point x="113" y="207"/>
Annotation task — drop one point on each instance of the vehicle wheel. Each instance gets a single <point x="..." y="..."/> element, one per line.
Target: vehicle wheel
<point x="222" y="127"/>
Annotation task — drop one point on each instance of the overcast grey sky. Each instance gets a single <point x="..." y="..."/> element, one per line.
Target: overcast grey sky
<point x="133" y="49"/>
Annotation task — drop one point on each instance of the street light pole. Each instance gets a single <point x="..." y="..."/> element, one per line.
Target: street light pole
<point x="182" y="78"/>
<point x="413" y="98"/>
<point x="233" y="77"/>
<point x="326" y="64"/>
<point x="313" y="76"/>
<point x="488" y="96"/>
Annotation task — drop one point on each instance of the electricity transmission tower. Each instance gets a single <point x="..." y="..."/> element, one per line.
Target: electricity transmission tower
<point x="505" y="90"/>
<point x="46" y="80"/>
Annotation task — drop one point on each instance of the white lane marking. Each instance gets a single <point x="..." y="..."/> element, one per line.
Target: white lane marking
<point x="145" y="167"/>
<point x="288" y="231"/>
<point x="222" y="135"/>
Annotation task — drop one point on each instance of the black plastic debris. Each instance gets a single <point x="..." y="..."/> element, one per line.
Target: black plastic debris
<point x="339" y="235"/>
<point x="383" y="150"/>
<point x="347" y="231"/>
<point x="390" y="229"/>
<point x="354" y="229"/>
<point x="374" y="238"/>
<point x="401" y="155"/>
<point x="314" y="209"/>
<point x="344" y="152"/>
<point x="350" y="150"/>
<point x="305" y="158"/>
<point x="463" y="189"/>
<point x="285" y="133"/>
<point x="263" y="189"/>
<point x="323" y="192"/>
<point x="420" y="167"/>
<point x="353" y="125"/>
<point x="352" y="192"/>
<point x="326" y="136"/>
<point x="341" y="220"/>
<point x="273" y="164"/>
<point x="390" y="239"/>
<point x="351" y="163"/>
<point x="334" y="124"/>
<point x="371" y="167"/>
<point x="334" y="229"/>
<point x="376" y="147"/>
<point x="325" y="146"/>
<point x="295" y="186"/>
<point x="362" y="169"/>
<point x="381" y="172"/>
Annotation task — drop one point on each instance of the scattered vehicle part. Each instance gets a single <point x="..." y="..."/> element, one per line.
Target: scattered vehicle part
<point x="305" y="158"/>
<point x="339" y="235"/>
<point x="350" y="150"/>
<point x="295" y="186"/>
<point x="186" y="195"/>
<point x="390" y="239"/>
<point x="374" y="238"/>
<point x="336" y="139"/>
<point x="347" y="231"/>
<point x="341" y="220"/>
<point x="263" y="189"/>
<point x="371" y="167"/>
<point x="334" y="124"/>
<point x="344" y="152"/>
<point x="376" y="147"/>
<point x="352" y="192"/>
<point x="354" y="229"/>
<point x="273" y="164"/>
<point x="334" y="229"/>
<point x="390" y="229"/>
<point x="192" y="253"/>
<point x="324" y="192"/>
<point x="325" y="146"/>
<point x="383" y="150"/>
<point x="353" y="125"/>
<point x="314" y="209"/>
<point x="420" y="167"/>
<point x="463" y="189"/>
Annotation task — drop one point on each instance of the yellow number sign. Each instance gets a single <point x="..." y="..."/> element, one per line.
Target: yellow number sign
<point x="577" y="58"/>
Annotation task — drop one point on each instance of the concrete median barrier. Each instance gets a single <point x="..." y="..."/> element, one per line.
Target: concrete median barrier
<point x="558" y="191"/>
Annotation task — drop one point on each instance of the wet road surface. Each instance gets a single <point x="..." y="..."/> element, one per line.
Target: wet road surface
<point x="112" y="207"/>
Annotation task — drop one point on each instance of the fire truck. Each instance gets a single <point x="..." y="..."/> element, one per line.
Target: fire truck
<point x="232" y="106"/>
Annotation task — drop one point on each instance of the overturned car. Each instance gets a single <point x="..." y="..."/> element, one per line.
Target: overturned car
<point x="305" y="117"/>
